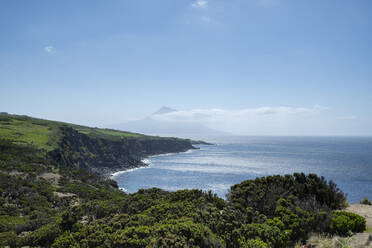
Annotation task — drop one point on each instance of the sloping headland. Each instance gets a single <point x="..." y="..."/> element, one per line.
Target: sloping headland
<point x="54" y="193"/>
<point x="102" y="151"/>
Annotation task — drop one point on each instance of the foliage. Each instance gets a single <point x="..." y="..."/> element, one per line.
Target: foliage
<point x="342" y="223"/>
<point x="43" y="236"/>
<point x="26" y="131"/>
<point x="106" y="217"/>
<point x="308" y="192"/>
<point x="47" y="136"/>
<point x="301" y="203"/>
<point x="51" y="196"/>
<point x="365" y="201"/>
<point x="252" y="243"/>
<point x="9" y="239"/>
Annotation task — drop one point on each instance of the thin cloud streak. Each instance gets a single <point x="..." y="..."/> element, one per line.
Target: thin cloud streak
<point x="196" y="115"/>
<point x="280" y="120"/>
<point x="200" y="4"/>
<point x="49" y="49"/>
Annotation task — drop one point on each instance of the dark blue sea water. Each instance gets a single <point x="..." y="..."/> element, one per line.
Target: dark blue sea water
<point x="345" y="160"/>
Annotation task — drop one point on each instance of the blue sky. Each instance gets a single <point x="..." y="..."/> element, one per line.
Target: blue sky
<point x="105" y="62"/>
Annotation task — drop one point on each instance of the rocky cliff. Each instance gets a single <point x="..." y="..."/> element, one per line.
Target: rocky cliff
<point x="105" y="156"/>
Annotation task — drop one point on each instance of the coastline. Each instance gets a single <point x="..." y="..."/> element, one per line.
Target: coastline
<point x="143" y="161"/>
<point x="142" y="164"/>
<point x="241" y="158"/>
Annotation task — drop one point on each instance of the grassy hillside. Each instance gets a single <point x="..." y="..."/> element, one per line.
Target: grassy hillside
<point x="51" y="196"/>
<point x="23" y="130"/>
<point x="45" y="134"/>
<point x="100" y="150"/>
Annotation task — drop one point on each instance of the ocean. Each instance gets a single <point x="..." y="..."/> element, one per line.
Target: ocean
<point x="345" y="160"/>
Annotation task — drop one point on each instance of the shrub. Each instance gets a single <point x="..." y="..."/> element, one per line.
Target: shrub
<point x="43" y="236"/>
<point x="365" y="201"/>
<point x="342" y="223"/>
<point x="135" y="237"/>
<point x="270" y="232"/>
<point x="66" y="240"/>
<point x="252" y="243"/>
<point x="9" y="239"/>
<point x="309" y="192"/>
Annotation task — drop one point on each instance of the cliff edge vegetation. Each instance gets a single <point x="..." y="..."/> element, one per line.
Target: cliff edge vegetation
<point x="52" y="196"/>
<point x="100" y="150"/>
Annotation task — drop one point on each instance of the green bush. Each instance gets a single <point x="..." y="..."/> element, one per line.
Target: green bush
<point x="271" y="232"/>
<point x="252" y="243"/>
<point x="66" y="240"/>
<point x="135" y="237"/>
<point x="342" y="223"/>
<point x="274" y="211"/>
<point x="43" y="236"/>
<point x="9" y="239"/>
<point x="365" y="201"/>
<point x="9" y="209"/>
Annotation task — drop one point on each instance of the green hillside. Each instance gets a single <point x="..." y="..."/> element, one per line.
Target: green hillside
<point x="100" y="150"/>
<point x="53" y="194"/>
<point x="45" y="134"/>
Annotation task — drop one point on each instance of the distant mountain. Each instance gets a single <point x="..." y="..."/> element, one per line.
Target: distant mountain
<point x="164" y="110"/>
<point x="152" y="126"/>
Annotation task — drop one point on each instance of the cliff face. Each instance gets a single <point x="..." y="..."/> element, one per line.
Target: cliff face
<point x="102" y="151"/>
<point x="104" y="156"/>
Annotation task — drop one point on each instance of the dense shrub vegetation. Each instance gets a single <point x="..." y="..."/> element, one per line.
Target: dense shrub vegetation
<point x="49" y="204"/>
<point x="344" y="222"/>
<point x="365" y="201"/>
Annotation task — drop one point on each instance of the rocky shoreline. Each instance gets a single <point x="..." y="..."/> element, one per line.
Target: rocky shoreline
<point x="105" y="157"/>
<point x="109" y="172"/>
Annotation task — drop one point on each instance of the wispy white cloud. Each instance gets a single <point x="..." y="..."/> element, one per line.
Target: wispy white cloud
<point x="196" y="115"/>
<point x="200" y="4"/>
<point x="49" y="49"/>
<point x="280" y="120"/>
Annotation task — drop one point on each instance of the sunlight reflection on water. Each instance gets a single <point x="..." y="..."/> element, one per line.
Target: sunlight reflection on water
<point x="346" y="161"/>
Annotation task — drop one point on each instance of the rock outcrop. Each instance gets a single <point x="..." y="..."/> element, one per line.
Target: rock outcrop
<point x="104" y="156"/>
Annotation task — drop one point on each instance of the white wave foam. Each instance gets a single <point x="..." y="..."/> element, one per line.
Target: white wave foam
<point x="146" y="161"/>
<point x="171" y="153"/>
<point x="125" y="171"/>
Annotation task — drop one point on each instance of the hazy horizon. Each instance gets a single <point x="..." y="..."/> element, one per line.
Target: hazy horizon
<point x="260" y="67"/>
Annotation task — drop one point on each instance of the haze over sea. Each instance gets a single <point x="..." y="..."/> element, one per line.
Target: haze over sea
<point x="345" y="160"/>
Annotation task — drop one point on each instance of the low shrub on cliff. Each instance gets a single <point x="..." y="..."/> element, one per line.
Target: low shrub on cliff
<point x="342" y="223"/>
<point x="107" y="217"/>
<point x="301" y="203"/>
<point x="365" y="201"/>
<point x="51" y="200"/>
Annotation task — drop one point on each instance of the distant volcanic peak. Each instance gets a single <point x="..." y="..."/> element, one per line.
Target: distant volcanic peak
<point x="164" y="110"/>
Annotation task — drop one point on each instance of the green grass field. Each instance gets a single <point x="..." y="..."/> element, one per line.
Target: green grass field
<point x="45" y="134"/>
<point x="107" y="132"/>
<point x="26" y="132"/>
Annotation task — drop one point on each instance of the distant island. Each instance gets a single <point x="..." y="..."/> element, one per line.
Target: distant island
<point x="55" y="192"/>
